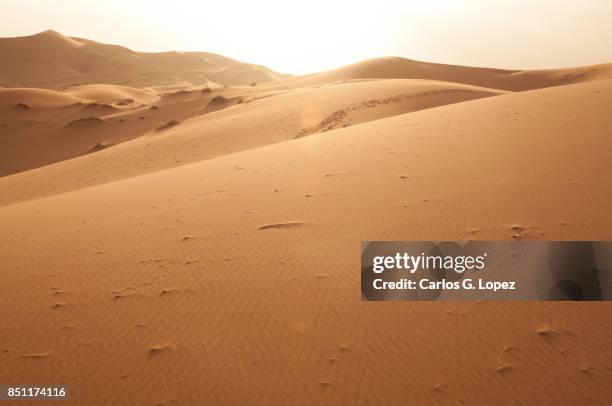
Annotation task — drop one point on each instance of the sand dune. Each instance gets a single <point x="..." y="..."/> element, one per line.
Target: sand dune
<point x="172" y="233"/>
<point x="203" y="283"/>
<point x="401" y="68"/>
<point x="224" y="121"/>
<point x="52" y="60"/>
<point x="13" y="98"/>
<point x="112" y="94"/>
<point x="48" y="117"/>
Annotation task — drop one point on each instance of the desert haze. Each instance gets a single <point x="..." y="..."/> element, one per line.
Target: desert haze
<point x="184" y="228"/>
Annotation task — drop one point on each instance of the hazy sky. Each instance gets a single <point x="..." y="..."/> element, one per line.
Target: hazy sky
<point x="311" y="35"/>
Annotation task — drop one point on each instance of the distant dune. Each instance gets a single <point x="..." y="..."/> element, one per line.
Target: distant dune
<point x="400" y="68"/>
<point x="121" y="95"/>
<point x="30" y="97"/>
<point x="52" y="60"/>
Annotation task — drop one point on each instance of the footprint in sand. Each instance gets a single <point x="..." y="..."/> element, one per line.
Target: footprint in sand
<point x="168" y="292"/>
<point x="40" y="355"/>
<point x="158" y="350"/>
<point x="277" y="226"/>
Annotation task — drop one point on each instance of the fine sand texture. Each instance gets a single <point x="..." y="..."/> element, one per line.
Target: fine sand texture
<point x="199" y="244"/>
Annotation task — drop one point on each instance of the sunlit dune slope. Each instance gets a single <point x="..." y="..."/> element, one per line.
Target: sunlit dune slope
<point x="225" y="121"/>
<point x="112" y="94"/>
<point x="401" y="68"/>
<point x="32" y="97"/>
<point x="52" y="60"/>
<point x="204" y="283"/>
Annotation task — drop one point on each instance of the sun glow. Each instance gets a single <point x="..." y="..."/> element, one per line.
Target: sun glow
<point x="306" y="36"/>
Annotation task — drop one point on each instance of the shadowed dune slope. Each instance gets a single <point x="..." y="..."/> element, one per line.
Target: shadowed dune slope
<point x="52" y="60"/>
<point x="38" y="126"/>
<point x="204" y="283"/>
<point x="225" y="121"/>
<point x="401" y="68"/>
